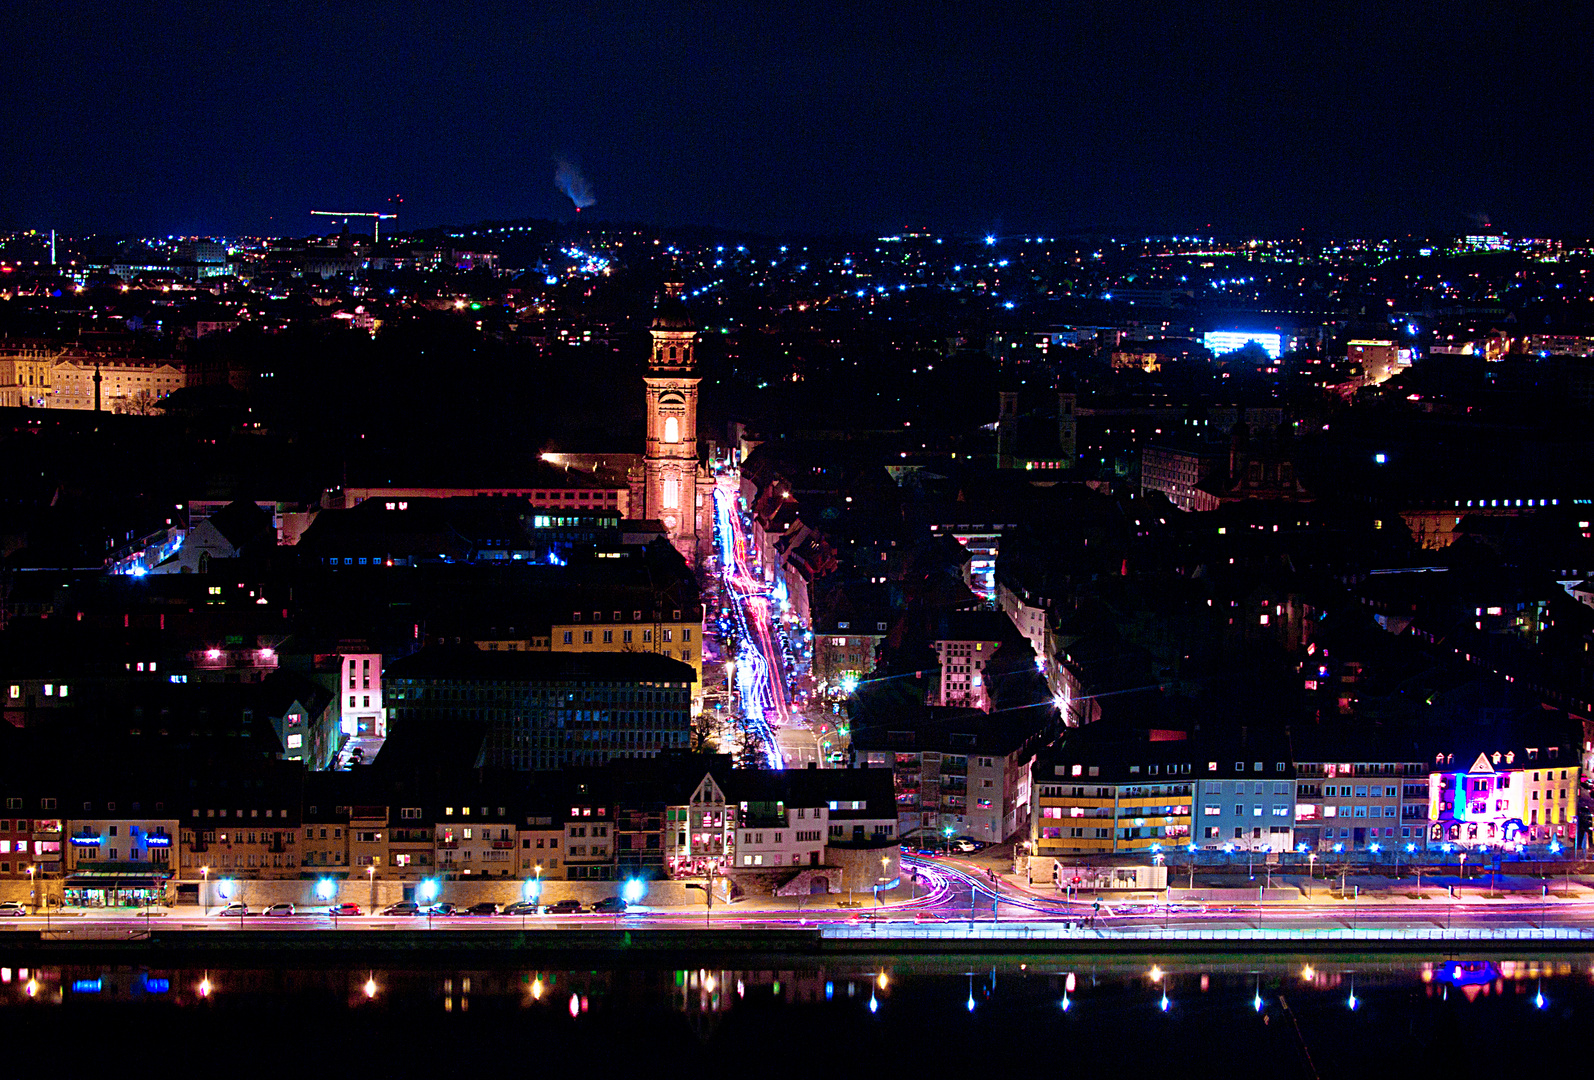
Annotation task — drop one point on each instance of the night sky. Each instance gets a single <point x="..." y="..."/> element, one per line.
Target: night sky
<point x="806" y="117"/>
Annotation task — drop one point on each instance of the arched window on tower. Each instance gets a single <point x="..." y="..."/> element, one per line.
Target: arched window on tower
<point x="672" y="494"/>
<point x="672" y="429"/>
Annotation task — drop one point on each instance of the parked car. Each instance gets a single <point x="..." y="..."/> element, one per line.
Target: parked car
<point x="235" y="908"/>
<point x="521" y="907"/>
<point x="403" y="907"/>
<point x="345" y="908"/>
<point x="486" y="907"/>
<point x="442" y="908"/>
<point x="966" y="846"/>
<point x="563" y="907"/>
<point x="609" y="905"/>
<point x="279" y="909"/>
<point x="11" y="908"/>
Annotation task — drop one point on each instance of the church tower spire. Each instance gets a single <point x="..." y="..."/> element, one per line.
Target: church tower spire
<point x="670" y="459"/>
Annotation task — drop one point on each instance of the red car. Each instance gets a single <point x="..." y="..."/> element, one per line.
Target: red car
<point x="345" y="909"/>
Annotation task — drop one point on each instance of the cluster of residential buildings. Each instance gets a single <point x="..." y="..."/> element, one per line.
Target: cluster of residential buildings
<point x="127" y="836"/>
<point x="1148" y="582"/>
<point x="1509" y="785"/>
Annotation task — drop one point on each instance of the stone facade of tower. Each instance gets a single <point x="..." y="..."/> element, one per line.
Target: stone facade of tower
<point x="670" y="464"/>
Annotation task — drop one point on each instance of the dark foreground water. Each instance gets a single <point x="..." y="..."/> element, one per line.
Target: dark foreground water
<point x="1135" y="1017"/>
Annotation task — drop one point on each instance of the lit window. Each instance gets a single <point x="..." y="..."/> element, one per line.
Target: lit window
<point x="672" y="429"/>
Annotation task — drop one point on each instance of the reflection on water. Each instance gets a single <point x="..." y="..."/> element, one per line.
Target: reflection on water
<point x="1308" y="1016"/>
<point x="694" y="991"/>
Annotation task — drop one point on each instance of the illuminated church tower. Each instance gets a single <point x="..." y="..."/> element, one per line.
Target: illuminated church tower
<point x="670" y="468"/>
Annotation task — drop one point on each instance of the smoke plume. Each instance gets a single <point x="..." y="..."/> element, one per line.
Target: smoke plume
<point x="568" y="179"/>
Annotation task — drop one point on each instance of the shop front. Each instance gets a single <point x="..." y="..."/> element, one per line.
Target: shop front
<point x="126" y="885"/>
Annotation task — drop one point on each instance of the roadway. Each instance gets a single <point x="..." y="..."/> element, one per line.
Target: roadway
<point x="760" y="668"/>
<point x="970" y="891"/>
<point x="943" y="891"/>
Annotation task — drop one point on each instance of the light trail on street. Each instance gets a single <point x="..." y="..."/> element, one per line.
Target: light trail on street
<point x="760" y="676"/>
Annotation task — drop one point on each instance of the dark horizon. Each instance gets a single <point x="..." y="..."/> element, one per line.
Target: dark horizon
<point x="233" y="121"/>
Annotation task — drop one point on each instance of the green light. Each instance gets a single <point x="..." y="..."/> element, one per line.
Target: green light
<point x="475" y="307"/>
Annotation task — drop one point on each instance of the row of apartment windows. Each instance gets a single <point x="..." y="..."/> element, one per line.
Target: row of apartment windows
<point x="1213" y="810"/>
<point x="625" y="636"/>
<point x="15" y="690"/>
<point x="636" y="616"/>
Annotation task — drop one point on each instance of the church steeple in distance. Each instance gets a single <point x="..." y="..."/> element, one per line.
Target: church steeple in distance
<point x="670" y="460"/>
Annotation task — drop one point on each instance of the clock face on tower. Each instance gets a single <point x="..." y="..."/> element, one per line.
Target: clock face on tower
<point x="670" y="522"/>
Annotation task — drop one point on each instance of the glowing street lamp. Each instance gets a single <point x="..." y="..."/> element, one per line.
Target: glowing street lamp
<point x="204" y="876"/>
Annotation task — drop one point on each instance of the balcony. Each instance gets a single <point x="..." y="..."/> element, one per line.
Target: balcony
<point x="447" y="845"/>
<point x="502" y="845"/>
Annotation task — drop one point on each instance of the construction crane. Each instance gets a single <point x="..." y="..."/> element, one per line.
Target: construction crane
<point x="376" y="219"/>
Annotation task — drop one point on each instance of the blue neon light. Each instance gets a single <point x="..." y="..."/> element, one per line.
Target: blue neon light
<point x="87" y="986"/>
<point x="86" y="841"/>
<point x="1227" y="341"/>
<point x="156" y="840"/>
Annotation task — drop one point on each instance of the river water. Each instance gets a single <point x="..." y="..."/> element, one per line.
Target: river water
<point x="1324" y="1016"/>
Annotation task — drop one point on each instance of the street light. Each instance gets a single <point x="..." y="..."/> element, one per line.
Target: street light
<point x="39" y="898"/>
<point x="708" y="893"/>
<point x="1311" y="872"/>
<point x="204" y="875"/>
<point x="1167" y="896"/>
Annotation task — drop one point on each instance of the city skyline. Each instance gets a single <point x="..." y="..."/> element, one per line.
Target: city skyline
<point x="802" y="122"/>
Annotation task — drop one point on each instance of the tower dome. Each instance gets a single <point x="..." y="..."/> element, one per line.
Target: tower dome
<point x="672" y="313"/>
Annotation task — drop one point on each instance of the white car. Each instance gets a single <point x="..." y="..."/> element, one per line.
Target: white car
<point x="12" y="908"/>
<point x="235" y="909"/>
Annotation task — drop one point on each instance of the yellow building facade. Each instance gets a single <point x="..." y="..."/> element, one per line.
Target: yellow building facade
<point x="25" y="378"/>
<point x="678" y="634"/>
